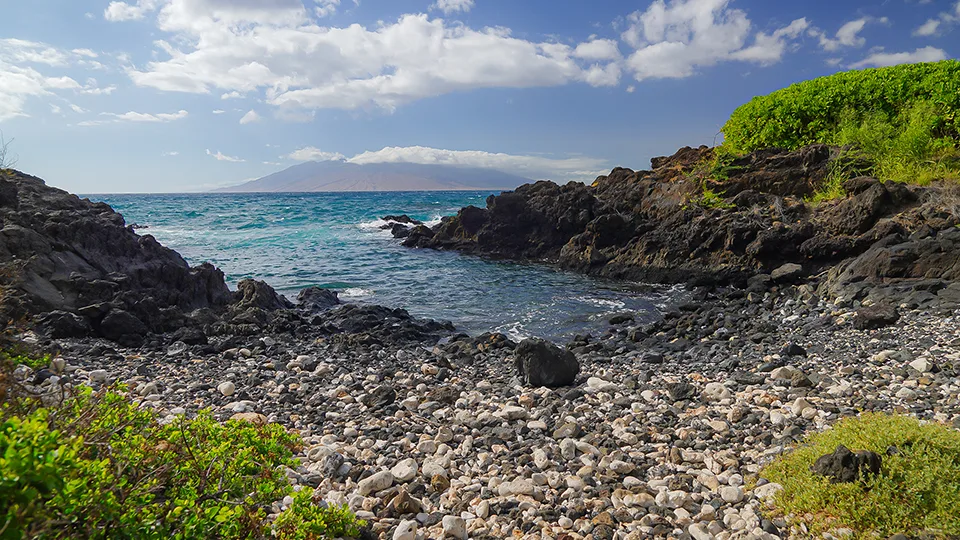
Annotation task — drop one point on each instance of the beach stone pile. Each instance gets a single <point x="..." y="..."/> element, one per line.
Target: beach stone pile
<point x="663" y="431"/>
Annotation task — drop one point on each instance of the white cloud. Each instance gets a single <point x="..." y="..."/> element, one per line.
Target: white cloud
<point x="250" y="117"/>
<point x="122" y="11"/>
<point x="769" y="49"/>
<point x="881" y="59"/>
<point x="943" y="21"/>
<point x="598" y="49"/>
<point x="631" y="89"/>
<point x="77" y="109"/>
<point x="54" y="108"/>
<point x="673" y="40"/>
<point x="92" y="88"/>
<point x="453" y="6"/>
<point x="309" y="153"/>
<point x="30" y="52"/>
<point x="132" y="116"/>
<point x="603" y="75"/>
<point x="274" y="47"/>
<point x="221" y="157"/>
<point x="326" y="7"/>
<point x="170" y="154"/>
<point x="928" y="28"/>
<point x="19" y="83"/>
<point x="534" y="166"/>
<point x="847" y="36"/>
<point x="85" y="52"/>
<point x="218" y="111"/>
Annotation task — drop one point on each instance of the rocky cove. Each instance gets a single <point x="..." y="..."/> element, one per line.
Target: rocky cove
<point x="796" y="316"/>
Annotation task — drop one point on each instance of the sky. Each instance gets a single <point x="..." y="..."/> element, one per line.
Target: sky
<point x="104" y="96"/>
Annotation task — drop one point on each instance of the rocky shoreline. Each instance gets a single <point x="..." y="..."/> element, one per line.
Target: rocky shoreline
<point x="664" y="428"/>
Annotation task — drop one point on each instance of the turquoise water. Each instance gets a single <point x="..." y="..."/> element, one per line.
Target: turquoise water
<point x="333" y="240"/>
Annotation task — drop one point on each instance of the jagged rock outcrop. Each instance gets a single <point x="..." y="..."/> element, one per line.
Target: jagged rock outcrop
<point x="651" y="225"/>
<point x="64" y="254"/>
<point x="72" y="268"/>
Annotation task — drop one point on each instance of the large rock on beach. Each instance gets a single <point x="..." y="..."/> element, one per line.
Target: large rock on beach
<point x="540" y="363"/>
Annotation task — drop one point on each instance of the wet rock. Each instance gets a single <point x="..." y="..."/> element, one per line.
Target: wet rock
<point x="316" y="299"/>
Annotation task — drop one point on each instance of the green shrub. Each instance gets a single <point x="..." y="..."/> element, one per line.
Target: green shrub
<point x="99" y="467"/>
<point x="905" y="119"/>
<point x="918" y="489"/>
<point x="306" y="520"/>
<point x="712" y="200"/>
<point x="811" y="111"/>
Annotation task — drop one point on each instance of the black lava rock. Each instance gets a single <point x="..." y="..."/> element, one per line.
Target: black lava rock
<point x="539" y="363"/>
<point x="843" y="466"/>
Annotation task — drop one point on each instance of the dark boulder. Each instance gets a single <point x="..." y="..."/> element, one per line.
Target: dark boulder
<point x="682" y="391"/>
<point x="123" y="327"/>
<point x="257" y="294"/>
<point x="844" y="466"/>
<point x="875" y="316"/>
<point x="190" y="335"/>
<point x="540" y="363"/>
<point x="418" y="236"/>
<point x="403" y="218"/>
<point x="63" y="324"/>
<point x="787" y="272"/>
<point x="316" y="299"/>
<point x="380" y="397"/>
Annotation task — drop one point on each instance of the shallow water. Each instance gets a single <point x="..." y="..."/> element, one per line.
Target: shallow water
<point x="333" y="240"/>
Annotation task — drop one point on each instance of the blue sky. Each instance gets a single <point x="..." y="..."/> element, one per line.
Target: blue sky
<point x="186" y="95"/>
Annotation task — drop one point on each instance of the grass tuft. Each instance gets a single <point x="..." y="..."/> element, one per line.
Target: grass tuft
<point x="917" y="491"/>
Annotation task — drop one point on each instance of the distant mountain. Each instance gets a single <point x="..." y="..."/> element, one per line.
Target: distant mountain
<point x="344" y="176"/>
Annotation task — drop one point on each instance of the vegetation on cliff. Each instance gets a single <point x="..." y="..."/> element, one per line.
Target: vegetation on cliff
<point x="903" y="120"/>
<point x="916" y="491"/>
<point x="94" y="465"/>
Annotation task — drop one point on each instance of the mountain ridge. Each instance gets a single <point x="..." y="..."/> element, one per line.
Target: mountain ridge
<point x="341" y="176"/>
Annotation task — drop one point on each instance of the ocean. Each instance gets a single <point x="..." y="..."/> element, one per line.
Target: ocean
<point x="334" y="240"/>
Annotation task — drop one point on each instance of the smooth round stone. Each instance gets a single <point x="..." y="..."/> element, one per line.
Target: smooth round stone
<point x="405" y="471"/>
<point x="731" y="494"/>
<point x="226" y="388"/>
<point x="98" y="376"/>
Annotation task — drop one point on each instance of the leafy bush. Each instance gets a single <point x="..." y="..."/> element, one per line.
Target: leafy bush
<point x="306" y="520"/>
<point x="918" y="489"/>
<point x="98" y="466"/>
<point x="906" y="119"/>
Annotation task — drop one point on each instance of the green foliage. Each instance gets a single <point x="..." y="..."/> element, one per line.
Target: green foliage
<point x="905" y="119"/>
<point x="711" y="199"/>
<point x="33" y="361"/>
<point x="903" y="149"/>
<point x="305" y="520"/>
<point x="917" y="491"/>
<point x="832" y="187"/>
<point x="810" y="112"/>
<point x="99" y="467"/>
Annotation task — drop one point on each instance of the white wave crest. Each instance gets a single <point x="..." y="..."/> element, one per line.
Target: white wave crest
<point x="355" y="292"/>
<point x="515" y="331"/>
